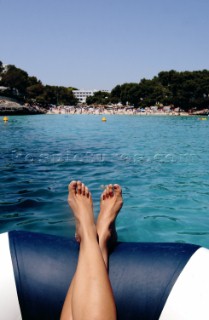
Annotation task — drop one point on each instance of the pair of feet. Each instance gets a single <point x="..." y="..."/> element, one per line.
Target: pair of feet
<point x="80" y="201"/>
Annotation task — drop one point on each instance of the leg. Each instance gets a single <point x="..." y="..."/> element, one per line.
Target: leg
<point x="90" y="295"/>
<point x="110" y="204"/>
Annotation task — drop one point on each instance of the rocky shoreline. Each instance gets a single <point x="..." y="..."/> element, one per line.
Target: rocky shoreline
<point x="8" y="107"/>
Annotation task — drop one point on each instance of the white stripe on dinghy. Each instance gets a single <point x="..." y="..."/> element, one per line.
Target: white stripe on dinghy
<point x="9" y="304"/>
<point x="189" y="298"/>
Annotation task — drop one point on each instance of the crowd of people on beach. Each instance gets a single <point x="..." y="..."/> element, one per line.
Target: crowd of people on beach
<point x="8" y="107"/>
<point x="115" y="109"/>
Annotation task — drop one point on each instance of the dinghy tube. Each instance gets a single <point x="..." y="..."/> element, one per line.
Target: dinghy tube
<point x="166" y="281"/>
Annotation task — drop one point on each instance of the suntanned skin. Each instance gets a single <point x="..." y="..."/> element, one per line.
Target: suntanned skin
<point x="90" y="294"/>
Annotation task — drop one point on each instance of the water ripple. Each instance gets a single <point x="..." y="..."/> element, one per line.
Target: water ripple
<point x="159" y="161"/>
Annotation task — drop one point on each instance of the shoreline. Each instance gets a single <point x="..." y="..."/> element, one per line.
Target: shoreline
<point x="9" y="108"/>
<point x="104" y="112"/>
<point x="124" y="110"/>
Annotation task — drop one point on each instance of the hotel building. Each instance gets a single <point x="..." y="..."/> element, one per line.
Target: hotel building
<point x="81" y="95"/>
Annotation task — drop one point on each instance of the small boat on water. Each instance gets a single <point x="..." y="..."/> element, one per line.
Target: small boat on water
<point x="151" y="281"/>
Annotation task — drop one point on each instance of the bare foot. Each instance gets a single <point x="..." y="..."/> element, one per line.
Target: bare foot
<point x="110" y="204"/>
<point x="81" y="203"/>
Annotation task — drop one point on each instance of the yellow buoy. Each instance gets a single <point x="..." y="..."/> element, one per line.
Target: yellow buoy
<point x="104" y="119"/>
<point x="203" y="119"/>
<point x="5" y="119"/>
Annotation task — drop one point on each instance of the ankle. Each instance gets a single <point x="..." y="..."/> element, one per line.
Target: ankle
<point x="103" y="239"/>
<point x="89" y="233"/>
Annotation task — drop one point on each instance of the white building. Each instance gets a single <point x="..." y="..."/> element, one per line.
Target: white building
<point x="81" y="95"/>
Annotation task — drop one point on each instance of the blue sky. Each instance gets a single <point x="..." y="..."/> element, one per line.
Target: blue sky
<point x="97" y="44"/>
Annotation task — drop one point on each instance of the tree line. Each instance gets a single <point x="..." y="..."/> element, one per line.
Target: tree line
<point x="27" y="89"/>
<point x="187" y="90"/>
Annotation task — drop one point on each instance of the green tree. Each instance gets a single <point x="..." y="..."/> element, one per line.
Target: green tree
<point x="99" y="97"/>
<point x="56" y="95"/>
<point x="34" y="91"/>
<point x="15" y="78"/>
<point x="130" y="93"/>
<point x="33" y="81"/>
<point x="1" y="67"/>
<point x="65" y="96"/>
<point x="115" y="94"/>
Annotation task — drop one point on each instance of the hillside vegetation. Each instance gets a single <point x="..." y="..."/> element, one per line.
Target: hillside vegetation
<point x="187" y="90"/>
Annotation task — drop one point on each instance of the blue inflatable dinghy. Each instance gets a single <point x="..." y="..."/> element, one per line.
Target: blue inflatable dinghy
<point x="166" y="281"/>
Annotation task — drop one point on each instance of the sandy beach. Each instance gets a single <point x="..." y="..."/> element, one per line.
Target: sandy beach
<point x="8" y="107"/>
<point x="113" y="110"/>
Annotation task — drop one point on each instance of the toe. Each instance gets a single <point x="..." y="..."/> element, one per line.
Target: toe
<point x="83" y="189"/>
<point x="79" y="187"/>
<point x="107" y="191"/>
<point x="117" y="189"/>
<point x="72" y="187"/>
<point x="104" y="194"/>
<point x="87" y="191"/>
<point x="110" y="190"/>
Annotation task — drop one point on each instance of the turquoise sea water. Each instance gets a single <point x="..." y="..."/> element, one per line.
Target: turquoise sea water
<point x="160" y="162"/>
